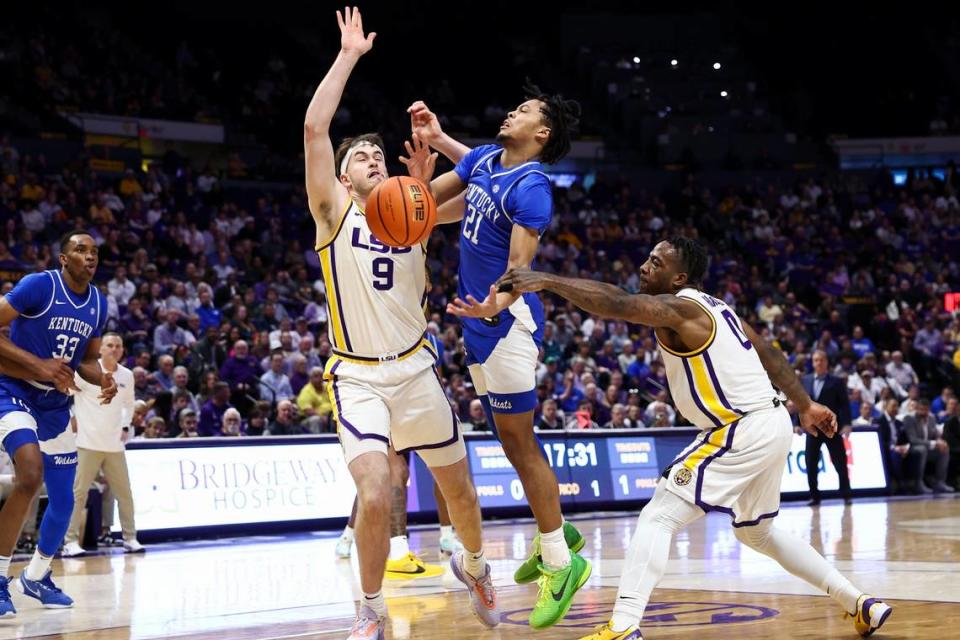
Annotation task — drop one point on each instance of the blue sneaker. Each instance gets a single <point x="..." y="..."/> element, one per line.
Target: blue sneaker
<point x="6" y="602"/>
<point x="49" y="594"/>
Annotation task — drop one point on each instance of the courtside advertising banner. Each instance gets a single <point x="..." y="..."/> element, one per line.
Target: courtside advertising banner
<point x="178" y="487"/>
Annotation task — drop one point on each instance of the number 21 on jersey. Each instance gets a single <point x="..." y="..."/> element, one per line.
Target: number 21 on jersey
<point x="471" y="229"/>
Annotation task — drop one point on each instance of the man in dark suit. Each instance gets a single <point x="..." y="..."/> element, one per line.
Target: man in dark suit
<point x="904" y="463"/>
<point x="921" y="430"/>
<point x="828" y="390"/>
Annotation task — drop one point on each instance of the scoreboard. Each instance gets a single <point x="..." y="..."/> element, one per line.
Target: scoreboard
<point x="589" y="469"/>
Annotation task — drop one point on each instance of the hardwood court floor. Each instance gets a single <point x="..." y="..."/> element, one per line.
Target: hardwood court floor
<point x="906" y="551"/>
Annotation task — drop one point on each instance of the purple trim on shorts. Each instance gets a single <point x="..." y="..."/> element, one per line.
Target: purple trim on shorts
<point x="342" y="419"/>
<point x="455" y="421"/>
<point x="686" y="455"/>
<point x="696" y="398"/>
<point x="716" y="383"/>
<point x="703" y="467"/>
<point x="751" y="523"/>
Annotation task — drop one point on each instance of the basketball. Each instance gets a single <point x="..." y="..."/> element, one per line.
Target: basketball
<point x="401" y="211"/>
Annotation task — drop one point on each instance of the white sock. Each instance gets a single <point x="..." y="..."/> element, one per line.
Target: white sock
<point x="802" y="560"/>
<point x="376" y="602"/>
<point x="39" y="564"/>
<point x="553" y="550"/>
<point x="446" y="531"/>
<point x="347" y="533"/>
<point x="399" y="548"/>
<point x="4" y="566"/>
<point x="649" y="552"/>
<point x="474" y="563"/>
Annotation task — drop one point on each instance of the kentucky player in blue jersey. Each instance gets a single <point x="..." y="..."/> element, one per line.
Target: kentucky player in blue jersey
<point x="55" y="319"/>
<point x="507" y="206"/>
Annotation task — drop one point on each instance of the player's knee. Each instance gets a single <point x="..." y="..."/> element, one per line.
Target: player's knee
<point x="518" y="443"/>
<point x="460" y="492"/>
<point x="375" y="493"/>
<point x="28" y="479"/>
<point x="755" y="537"/>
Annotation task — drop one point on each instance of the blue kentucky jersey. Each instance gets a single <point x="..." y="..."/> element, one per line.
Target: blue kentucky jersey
<point x="54" y="321"/>
<point x="496" y="199"/>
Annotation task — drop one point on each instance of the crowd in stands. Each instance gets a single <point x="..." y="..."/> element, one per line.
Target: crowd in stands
<point x="222" y="308"/>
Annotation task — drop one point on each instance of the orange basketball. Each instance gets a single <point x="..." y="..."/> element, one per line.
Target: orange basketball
<point x="401" y="211"/>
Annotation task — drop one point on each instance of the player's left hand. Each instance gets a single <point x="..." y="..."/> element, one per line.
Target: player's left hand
<point x="420" y="163"/>
<point x="818" y="419"/>
<point x="520" y="280"/>
<point x="471" y="308"/>
<point x="108" y="388"/>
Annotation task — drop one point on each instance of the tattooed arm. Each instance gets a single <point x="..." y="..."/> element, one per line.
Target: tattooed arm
<point x="813" y="415"/>
<point x="779" y="369"/>
<point x="604" y="299"/>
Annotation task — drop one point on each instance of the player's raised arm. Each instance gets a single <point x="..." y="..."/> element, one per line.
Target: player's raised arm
<point x="325" y="193"/>
<point x="420" y="163"/>
<point x="425" y="129"/>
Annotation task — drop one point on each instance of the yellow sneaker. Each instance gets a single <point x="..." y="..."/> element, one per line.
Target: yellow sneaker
<point x="606" y="633"/>
<point x="870" y="615"/>
<point x="409" y="567"/>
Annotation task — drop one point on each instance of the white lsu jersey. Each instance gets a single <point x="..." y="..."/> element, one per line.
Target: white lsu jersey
<point x="724" y="379"/>
<point x="375" y="292"/>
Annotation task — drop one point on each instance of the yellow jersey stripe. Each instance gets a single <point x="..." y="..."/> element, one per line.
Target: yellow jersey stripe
<point x="336" y="230"/>
<point x="333" y="304"/>
<point x="712" y="444"/>
<point x="708" y="394"/>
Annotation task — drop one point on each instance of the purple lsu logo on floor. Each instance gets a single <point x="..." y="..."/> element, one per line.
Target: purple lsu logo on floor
<point x="658" y="614"/>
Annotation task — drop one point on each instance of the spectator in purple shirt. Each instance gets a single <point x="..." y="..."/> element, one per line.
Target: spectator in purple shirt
<point x="241" y="370"/>
<point x="211" y="416"/>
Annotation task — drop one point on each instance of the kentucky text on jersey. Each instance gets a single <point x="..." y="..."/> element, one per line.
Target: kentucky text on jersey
<point x="60" y="323"/>
<point x="498" y="198"/>
<point x="482" y="202"/>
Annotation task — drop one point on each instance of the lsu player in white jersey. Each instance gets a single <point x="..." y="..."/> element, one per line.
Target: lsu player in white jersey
<point x="722" y="377"/>
<point x="383" y="387"/>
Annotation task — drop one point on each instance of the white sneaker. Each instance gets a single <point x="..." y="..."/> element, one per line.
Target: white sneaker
<point x="344" y="545"/>
<point x="72" y="549"/>
<point x="132" y="546"/>
<point x="449" y="545"/>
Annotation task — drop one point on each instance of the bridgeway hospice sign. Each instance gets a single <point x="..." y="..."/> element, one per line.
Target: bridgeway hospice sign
<point x="179" y="487"/>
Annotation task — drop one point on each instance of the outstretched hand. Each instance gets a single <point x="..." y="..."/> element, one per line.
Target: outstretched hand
<point x="420" y="162"/>
<point x="471" y="308"/>
<point x="352" y="39"/>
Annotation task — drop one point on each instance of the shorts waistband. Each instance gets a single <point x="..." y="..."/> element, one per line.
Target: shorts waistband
<point x="387" y="357"/>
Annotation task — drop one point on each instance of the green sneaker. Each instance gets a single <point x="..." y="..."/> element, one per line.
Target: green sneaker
<point x="530" y="569"/>
<point x="556" y="591"/>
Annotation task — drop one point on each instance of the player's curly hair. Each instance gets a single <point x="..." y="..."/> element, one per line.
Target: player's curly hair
<point x="563" y="118"/>
<point x="693" y="258"/>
